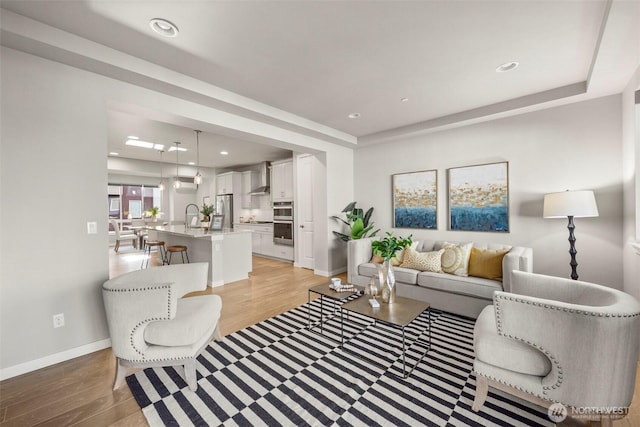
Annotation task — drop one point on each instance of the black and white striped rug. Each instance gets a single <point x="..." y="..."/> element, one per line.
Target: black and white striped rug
<point x="279" y="373"/>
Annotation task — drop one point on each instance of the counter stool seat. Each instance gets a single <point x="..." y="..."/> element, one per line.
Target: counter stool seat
<point x="177" y="248"/>
<point x="162" y="252"/>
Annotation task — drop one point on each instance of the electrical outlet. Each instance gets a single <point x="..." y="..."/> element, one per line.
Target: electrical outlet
<point x="58" y="320"/>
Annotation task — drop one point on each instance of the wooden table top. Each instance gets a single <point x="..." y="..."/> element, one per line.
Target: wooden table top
<point x="402" y="312"/>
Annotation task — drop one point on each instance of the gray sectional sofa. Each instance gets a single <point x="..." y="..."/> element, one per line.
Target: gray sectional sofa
<point x="466" y="296"/>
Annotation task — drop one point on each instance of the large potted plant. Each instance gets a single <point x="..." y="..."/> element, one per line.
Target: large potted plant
<point x="358" y="222"/>
<point x="387" y="248"/>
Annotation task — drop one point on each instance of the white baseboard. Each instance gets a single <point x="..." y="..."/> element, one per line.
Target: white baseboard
<point x="34" y="365"/>
<point x="330" y="273"/>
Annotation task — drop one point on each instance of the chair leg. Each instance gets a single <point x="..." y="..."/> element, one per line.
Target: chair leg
<point x="121" y="373"/>
<point x="190" y="374"/>
<point x="217" y="335"/>
<point x="482" y="389"/>
<point x="605" y="421"/>
<point x="117" y="246"/>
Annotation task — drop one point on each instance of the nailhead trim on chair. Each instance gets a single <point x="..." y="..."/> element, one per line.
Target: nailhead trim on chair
<point x="512" y="385"/>
<point x="558" y="382"/>
<point x="152" y="319"/>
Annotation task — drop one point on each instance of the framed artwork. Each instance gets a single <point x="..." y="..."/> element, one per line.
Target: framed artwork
<point x="216" y="222"/>
<point x="479" y="198"/>
<point x="415" y="200"/>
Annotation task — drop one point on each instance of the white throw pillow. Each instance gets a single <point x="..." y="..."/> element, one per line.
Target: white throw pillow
<point x="455" y="259"/>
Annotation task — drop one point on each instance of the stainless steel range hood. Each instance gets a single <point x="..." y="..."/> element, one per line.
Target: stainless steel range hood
<point x="264" y="181"/>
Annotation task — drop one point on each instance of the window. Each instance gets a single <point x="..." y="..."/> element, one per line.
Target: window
<point x="127" y="202"/>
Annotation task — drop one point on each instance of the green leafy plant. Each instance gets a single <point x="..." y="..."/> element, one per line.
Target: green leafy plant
<point x="388" y="246"/>
<point x="358" y="221"/>
<point x="206" y="211"/>
<point x="154" y="211"/>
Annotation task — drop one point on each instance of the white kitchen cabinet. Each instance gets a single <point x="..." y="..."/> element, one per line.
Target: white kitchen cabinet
<point x="282" y="181"/>
<point x="248" y="184"/>
<point x="229" y="183"/>
<point x="283" y="251"/>
<point x="262" y="241"/>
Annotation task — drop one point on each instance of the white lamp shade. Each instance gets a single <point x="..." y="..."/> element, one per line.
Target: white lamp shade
<point x="570" y="203"/>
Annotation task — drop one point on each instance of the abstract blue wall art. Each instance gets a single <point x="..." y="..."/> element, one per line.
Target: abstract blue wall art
<point x="415" y="199"/>
<point x="479" y="198"/>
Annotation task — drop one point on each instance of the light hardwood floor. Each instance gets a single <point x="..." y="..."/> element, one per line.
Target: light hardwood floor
<point x="78" y="392"/>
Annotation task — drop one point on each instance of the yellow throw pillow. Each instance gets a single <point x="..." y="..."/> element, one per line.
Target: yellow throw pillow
<point x="455" y="259"/>
<point x="423" y="261"/>
<point x="486" y="263"/>
<point x="377" y="259"/>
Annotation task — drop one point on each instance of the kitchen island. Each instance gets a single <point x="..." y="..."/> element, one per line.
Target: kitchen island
<point x="228" y="252"/>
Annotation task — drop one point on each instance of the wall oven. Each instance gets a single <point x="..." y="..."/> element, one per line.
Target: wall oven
<point x="283" y="223"/>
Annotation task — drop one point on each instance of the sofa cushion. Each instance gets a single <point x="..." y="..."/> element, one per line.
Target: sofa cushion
<point x="404" y="275"/>
<point x="194" y="318"/>
<point x="397" y="259"/>
<point x="423" y="261"/>
<point x="486" y="263"/>
<point x="513" y="355"/>
<point x="472" y="286"/>
<point x="455" y="259"/>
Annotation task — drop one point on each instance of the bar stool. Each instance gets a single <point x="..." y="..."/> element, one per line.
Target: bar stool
<point x="162" y="252"/>
<point x="177" y="248"/>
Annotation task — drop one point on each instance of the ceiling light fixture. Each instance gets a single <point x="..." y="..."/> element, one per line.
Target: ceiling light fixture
<point x="176" y="183"/>
<point x="404" y="99"/>
<point x="161" y="185"/>
<point x="113" y="153"/>
<point x="144" y="144"/>
<point x="163" y="27"/>
<point x="198" y="178"/>
<point x="177" y="148"/>
<point x="224" y="153"/>
<point x="354" y="115"/>
<point x="507" y="66"/>
<point x="132" y="137"/>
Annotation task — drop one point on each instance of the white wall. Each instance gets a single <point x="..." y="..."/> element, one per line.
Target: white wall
<point x="53" y="180"/>
<point x="574" y="147"/>
<point x="631" y="160"/>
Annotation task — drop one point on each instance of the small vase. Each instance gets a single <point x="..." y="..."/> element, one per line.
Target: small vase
<point x="387" y="282"/>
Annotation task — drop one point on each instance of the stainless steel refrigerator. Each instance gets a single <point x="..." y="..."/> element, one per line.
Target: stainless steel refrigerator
<point x="224" y="206"/>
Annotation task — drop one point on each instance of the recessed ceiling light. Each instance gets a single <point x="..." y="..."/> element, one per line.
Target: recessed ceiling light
<point x="163" y="27"/>
<point x="224" y="153"/>
<point x="507" y="66"/>
<point x="113" y="153"/>
<point x="404" y="99"/>
<point x="354" y="115"/>
<point x="192" y="163"/>
<point x="132" y="137"/>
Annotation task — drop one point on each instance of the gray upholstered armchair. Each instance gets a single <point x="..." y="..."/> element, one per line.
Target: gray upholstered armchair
<point x="558" y="340"/>
<point x="151" y="325"/>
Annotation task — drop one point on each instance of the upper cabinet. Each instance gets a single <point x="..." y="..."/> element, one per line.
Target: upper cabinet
<point x="229" y="183"/>
<point x="248" y="184"/>
<point x="282" y="181"/>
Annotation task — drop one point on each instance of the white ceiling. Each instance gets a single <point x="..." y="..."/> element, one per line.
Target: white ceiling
<point x="322" y="60"/>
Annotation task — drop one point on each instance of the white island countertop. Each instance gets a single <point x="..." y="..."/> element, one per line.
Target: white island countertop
<point x="196" y="232"/>
<point x="228" y="252"/>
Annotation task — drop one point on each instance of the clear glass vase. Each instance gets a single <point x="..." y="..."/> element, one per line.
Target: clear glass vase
<point x="387" y="282"/>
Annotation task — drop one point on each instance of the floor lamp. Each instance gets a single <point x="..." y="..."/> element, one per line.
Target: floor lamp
<point x="570" y="204"/>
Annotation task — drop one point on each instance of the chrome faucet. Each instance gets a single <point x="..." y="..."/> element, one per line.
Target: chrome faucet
<point x="187" y="223"/>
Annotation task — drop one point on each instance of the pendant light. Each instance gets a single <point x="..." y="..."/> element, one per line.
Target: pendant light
<point x="161" y="185"/>
<point x="176" y="183"/>
<point x="198" y="178"/>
